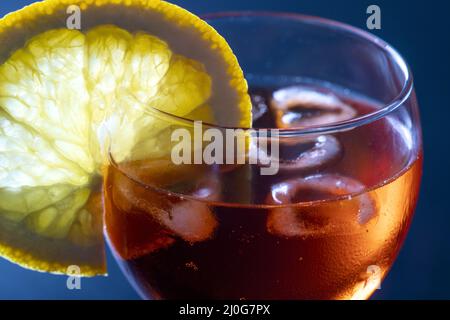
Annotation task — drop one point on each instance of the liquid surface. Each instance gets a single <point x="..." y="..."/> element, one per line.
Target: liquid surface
<point x="328" y="226"/>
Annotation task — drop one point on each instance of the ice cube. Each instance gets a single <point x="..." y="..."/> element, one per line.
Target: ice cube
<point x="309" y="153"/>
<point x="187" y="217"/>
<point x="296" y="216"/>
<point x="191" y="220"/>
<point x="299" y="106"/>
<point x="324" y="150"/>
<point x="259" y="105"/>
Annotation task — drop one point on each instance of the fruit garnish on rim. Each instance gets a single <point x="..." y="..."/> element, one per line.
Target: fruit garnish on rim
<point x="65" y="94"/>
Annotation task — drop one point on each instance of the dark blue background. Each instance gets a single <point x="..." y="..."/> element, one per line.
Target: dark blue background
<point x="418" y="29"/>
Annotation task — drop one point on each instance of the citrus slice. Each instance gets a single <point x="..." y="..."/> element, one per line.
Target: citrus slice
<point x="67" y="97"/>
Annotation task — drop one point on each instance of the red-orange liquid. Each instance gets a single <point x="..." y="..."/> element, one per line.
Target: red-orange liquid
<point x="324" y="243"/>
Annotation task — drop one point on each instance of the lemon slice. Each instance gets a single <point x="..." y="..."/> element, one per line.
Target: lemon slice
<point x="66" y="95"/>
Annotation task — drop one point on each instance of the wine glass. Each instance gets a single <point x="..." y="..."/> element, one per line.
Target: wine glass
<point x="323" y="201"/>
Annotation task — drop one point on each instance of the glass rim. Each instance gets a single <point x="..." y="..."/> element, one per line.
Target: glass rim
<point x="384" y="110"/>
